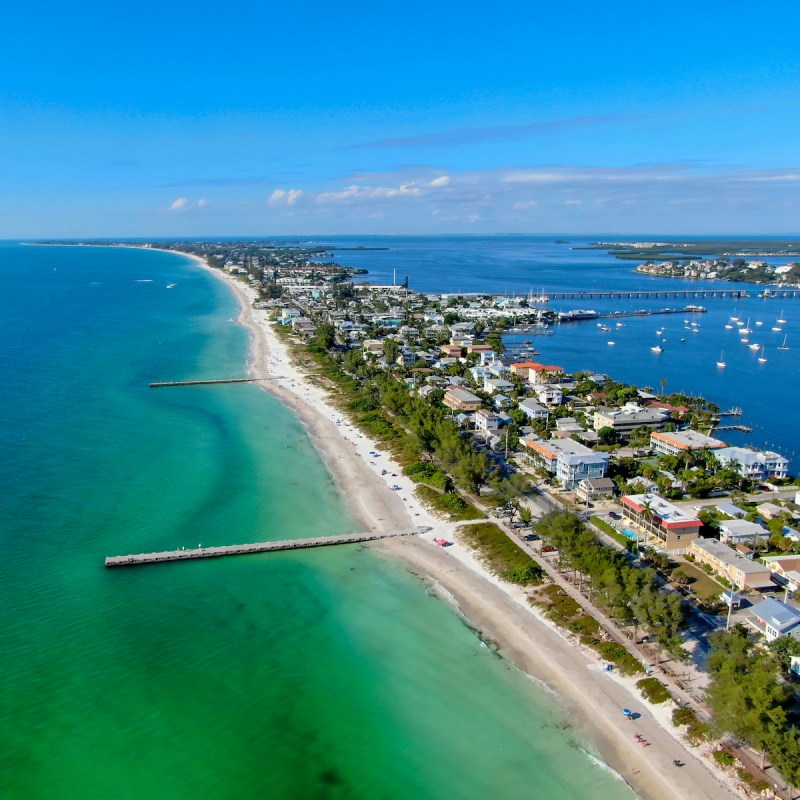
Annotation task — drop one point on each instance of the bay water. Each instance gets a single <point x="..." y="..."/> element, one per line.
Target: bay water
<point x="323" y="674"/>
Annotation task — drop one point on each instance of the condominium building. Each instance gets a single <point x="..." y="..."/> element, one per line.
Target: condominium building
<point x="569" y="461"/>
<point x="676" y="442"/>
<point x="665" y="526"/>
<point x="742" y="572"/>
<point x="754" y="464"/>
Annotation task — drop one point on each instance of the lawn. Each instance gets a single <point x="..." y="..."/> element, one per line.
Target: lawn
<point x="704" y="586"/>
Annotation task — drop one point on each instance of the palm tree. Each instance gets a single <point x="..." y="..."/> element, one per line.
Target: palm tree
<point x="663" y="383"/>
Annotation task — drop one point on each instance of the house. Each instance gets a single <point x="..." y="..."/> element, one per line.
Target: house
<point x="731" y="510"/>
<point x="628" y="418"/>
<point x="742" y="572"/>
<point x="486" y="420"/>
<point x="785" y="571"/>
<point x="771" y="511"/>
<point x="452" y="350"/>
<point x="288" y="314"/>
<point x="753" y="464"/>
<point x="406" y="358"/>
<point x="549" y="395"/>
<point x="479" y="374"/>
<point x="461" y="400"/>
<point x="569" y="461"/>
<point x="500" y="401"/>
<point x="493" y="385"/>
<point x="735" y="531"/>
<point x="676" y="442"/>
<point x="667" y="527"/>
<point x="373" y="347"/>
<point x="533" y="410"/>
<point x="773" y="619"/>
<point x="595" y="489"/>
<point x="522" y="369"/>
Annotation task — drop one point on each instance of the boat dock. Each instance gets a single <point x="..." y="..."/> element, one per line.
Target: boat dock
<point x="256" y="547"/>
<point x="159" y="384"/>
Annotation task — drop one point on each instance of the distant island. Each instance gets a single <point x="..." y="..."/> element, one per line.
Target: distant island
<point x="721" y="260"/>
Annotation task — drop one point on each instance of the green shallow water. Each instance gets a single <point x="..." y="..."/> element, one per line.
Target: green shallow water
<point x="328" y="674"/>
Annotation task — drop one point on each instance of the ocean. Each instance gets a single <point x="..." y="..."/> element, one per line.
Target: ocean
<point x="324" y="674"/>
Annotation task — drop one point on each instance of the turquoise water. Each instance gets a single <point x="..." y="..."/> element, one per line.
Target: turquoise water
<point x="629" y="534"/>
<point x="328" y="674"/>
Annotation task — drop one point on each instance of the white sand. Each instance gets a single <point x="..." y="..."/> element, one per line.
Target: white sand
<point x="498" y="610"/>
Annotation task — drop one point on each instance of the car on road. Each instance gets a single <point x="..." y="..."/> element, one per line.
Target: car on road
<point x="548" y="548"/>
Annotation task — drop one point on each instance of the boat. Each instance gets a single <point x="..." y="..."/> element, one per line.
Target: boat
<point x="777" y="328"/>
<point x="620" y="324"/>
<point x="784" y="346"/>
<point x="171" y="285"/>
<point x="657" y="349"/>
<point x="612" y="343"/>
<point x="758" y="322"/>
<point x="721" y="363"/>
<point x="762" y="358"/>
<point x="781" y="320"/>
<point x="746" y="330"/>
<point x="729" y="327"/>
<point x="754" y="346"/>
<point x="683" y="340"/>
<point x="744" y="340"/>
<point x="659" y="332"/>
<point x="695" y="330"/>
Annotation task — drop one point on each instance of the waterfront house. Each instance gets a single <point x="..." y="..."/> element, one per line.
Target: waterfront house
<point x="544" y="373"/>
<point x="757" y="465"/>
<point x="666" y="526"/>
<point x="773" y="619"/>
<point x="569" y="461"/>
<point x="522" y="368"/>
<point x="742" y="572"/>
<point x="461" y="400"/>
<point x="628" y="418"/>
<point x="674" y="443"/>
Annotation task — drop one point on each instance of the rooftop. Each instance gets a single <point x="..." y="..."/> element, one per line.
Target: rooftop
<point x="670" y="515"/>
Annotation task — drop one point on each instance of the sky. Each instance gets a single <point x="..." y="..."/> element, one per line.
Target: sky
<point x="267" y="119"/>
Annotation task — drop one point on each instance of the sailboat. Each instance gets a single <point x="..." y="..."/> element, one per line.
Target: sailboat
<point x="781" y="320"/>
<point x="721" y="363"/>
<point x="746" y="330"/>
<point x="762" y="359"/>
<point x="784" y="346"/>
<point x="754" y="346"/>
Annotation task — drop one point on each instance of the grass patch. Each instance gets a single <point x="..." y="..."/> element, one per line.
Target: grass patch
<point x="451" y="506"/>
<point x="502" y="556"/>
<point x="704" y="587"/>
<point x="567" y="613"/>
<point x="696" y="731"/>
<point x="653" y="691"/>
<point x="724" y="758"/>
<point x="615" y="535"/>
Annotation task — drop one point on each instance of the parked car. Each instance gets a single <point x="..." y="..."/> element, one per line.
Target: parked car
<point x="548" y="548"/>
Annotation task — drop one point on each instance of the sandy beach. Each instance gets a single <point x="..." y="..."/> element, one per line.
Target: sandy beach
<point x="498" y="611"/>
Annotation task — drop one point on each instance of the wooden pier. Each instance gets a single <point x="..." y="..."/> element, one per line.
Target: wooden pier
<point x="159" y="384"/>
<point x="256" y="547"/>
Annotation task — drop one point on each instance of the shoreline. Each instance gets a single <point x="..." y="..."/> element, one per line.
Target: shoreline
<point x="497" y="612"/>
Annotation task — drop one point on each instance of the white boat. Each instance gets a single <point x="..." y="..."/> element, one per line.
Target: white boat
<point x="721" y="363"/>
<point x="659" y="332"/>
<point x="777" y="328"/>
<point x="762" y="359"/>
<point x="784" y="346"/>
<point x="734" y="319"/>
<point x="754" y="346"/>
<point x="620" y="324"/>
<point x="758" y="322"/>
<point x="171" y="285"/>
<point x="695" y="330"/>
<point x="657" y="349"/>
<point x="612" y="343"/>
<point x="729" y="326"/>
<point x="744" y="340"/>
<point x="781" y="320"/>
<point x="746" y="330"/>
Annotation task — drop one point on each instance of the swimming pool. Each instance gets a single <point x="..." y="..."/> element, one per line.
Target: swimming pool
<point x="628" y="533"/>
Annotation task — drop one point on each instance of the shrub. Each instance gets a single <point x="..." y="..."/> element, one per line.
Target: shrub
<point x="696" y="731"/>
<point x="653" y="691"/>
<point x="724" y="758"/>
<point x="502" y="556"/>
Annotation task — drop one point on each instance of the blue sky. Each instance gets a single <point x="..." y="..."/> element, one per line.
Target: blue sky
<point x="250" y="118"/>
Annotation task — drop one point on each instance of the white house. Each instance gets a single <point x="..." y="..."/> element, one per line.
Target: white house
<point x="549" y="395"/>
<point x="493" y="385"/>
<point x="533" y="410"/>
<point x="487" y="420"/>
<point x="754" y="464"/>
<point x="774" y="619"/>
<point x="570" y="461"/>
<point x="736" y="531"/>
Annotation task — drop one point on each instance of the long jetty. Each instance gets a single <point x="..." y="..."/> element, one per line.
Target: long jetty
<point x="159" y="384"/>
<point x="256" y="547"/>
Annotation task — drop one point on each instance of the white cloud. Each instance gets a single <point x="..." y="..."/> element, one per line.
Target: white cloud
<point x="178" y="204"/>
<point x="281" y="196"/>
<point x="356" y="193"/>
<point x="442" y="180"/>
<point x="525" y="204"/>
<point x="202" y="203"/>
